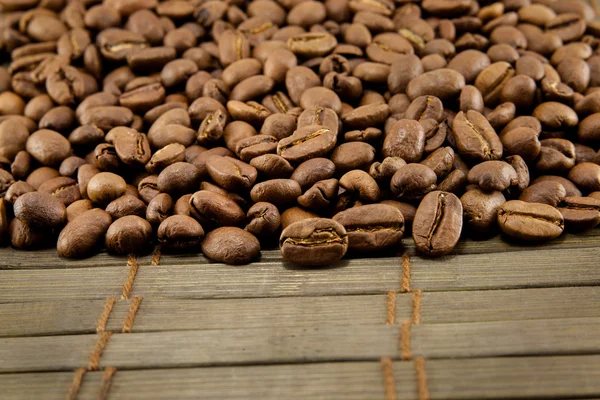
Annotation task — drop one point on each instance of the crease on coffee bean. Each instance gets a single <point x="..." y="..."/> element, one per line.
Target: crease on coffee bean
<point x="506" y="214"/>
<point x="439" y="213"/>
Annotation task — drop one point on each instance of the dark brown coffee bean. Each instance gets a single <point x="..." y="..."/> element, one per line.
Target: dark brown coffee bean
<point x="383" y="171"/>
<point x="425" y="107"/>
<point x="58" y="119"/>
<point x="469" y="63"/>
<point x="588" y="130"/>
<point x="23" y="236"/>
<point x="180" y="232"/>
<point x="264" y="219"/>
<point x="153" y="58"/>
<point x="40" y="209"/>
<point x="84" y="233"/>
<point x="279" y="125"/>
<point x="159" y="209"/>
<point x="315" y="241"/>
<point x="106" y="117"/>
<point x="481" y="209"/>
<point x="312" y="44"/>
<point x="580" y="213"/>
<point x="501" y="115"/>
<point x="307" y="142"/>
<point x="125" y="205"/>
<point x="166" y="156"/>
<point x="250" y="112"/>
<point x="213" y="209"/>
<point x="530" y="221"/>
<point x="372" y="227"/>
<point x="353" y="155"/>
<point x="254" y="146"/>
<point x="218" y="246"/>
<point x="16" y="190"/>
<point x="441" y="161"/>
<point x="105" y="187"/>
<point x="586" y="176"/>
<point x="522" y="141"/>
<point x="491" y="81"/>
<point x="321" y="195"/>
<point x="413" y="181"/>
<point x="555" y="155"/>
<point x="319" y="116"/>
<point x="272" y="166"/>
<point x="48" y="147"/>
<point x="520" y="90"/>
<point x="13" y="138"/>
<point x="438" y="223"/>
<point x="312" y="171"/>
<point x="63" y="188"/>
<point x="521" y="169"/>
<point x="546" y="192"/>
<point x="131" y="146"/>
<point x="230" y="173"/>
<point x="475" y="138"/>
<point x="116" y="44"/>
<point x="402" y="71"/>
<point x="356" y="188"/>
<point x="568" y="26"/>
<point x="105" y="157"/>
<point x="77" y="208"/>
<point x="442" y="83"/>
<point x="406" y="140"/>
<point x="276" y="191"/>
<point x="179" y="178"/>
<point x="493" y="175"/>
<point x="128" y="235"/>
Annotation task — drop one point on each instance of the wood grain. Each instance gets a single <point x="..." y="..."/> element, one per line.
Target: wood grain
<point x="277" y="345"/>
<point x="509" y="378"/>
<point x="155" y="314"/>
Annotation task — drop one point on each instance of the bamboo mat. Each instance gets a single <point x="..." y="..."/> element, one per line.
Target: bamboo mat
<point x="492" y="320"/>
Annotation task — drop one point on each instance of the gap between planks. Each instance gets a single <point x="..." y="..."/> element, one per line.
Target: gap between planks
<point x="509" y="378"/>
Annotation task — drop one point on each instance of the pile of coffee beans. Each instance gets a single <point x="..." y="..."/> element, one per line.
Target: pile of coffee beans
<point x="334" y="127"/>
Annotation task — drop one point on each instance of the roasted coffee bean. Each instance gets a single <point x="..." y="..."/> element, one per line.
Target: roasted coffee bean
<point x="104" y="187"/>
<point x="481" y="209"/>
<point x="159" y="208"/>
<point x="383" y="171"/>
<point x="413" y="181"/>
<point x="586" y="176"/>
<point x="475" y="137"/>
<point x="307" y="142"/>
<point x="26" y="237"/>
<point x="312" y="171"/>
<point x="353" y="155"/>
<point x="438" y="223"/>
<point x="372" y="227"/>
<point x="16" y="190"/>
<point x="40" y="209"/>
<point x="230" y="173"/>
<point x="77" y="208"/>
<point x="492" y="79"/>
<point x="180" y="232"/>
<point x="357" y="185"/>
<point x="264" y="219"/>
<point x="254" y="146"/>
<point x="128" y="235"/>
<point x="231" y="245"/>
<point x="132" y="147"/>
<point x="179" y="178"/>
<point x="315" y="242"/>
<point x="48" y="147"/>
<point x="276" y="191"/>
<point x="213" y="209"/>
<point x="272" y="166"/>
<point x="166" y="156"/>
<point x="555" y="155"/>
<point x="321" y="195"/>
<point x="442" y="83"/>
<point x="546" y="192"/>
<point x="555" y="116"/>
<point x="84" y="233"/>
<point x="580" y="213"/>
<point x="63" y="188"/>
<point x="530" y="221"/>
<point x="493" y="176"/>
<point x="406" y="139"/>
<point x="522" y="141"/>
<point x="125" y="205"/>
<point x="319" y="116"/>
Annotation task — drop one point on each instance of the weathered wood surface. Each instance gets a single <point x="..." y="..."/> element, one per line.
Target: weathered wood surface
<point x="155" y="314"/>
<point x="518" y="269"/>
<point x="491" y="378"/>
<point x="277" y="345"/>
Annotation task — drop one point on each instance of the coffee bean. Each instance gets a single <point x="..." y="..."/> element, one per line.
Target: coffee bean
<point x="40" y="209"/>
<point x="580" y="213"/>
<point x="179" y="178"/>
<point x="276" y="191"/>
<point x="312" y="44"/>
<point x="372" y="227"/>
<point x="493" y="175"/>
<point x="16" y="190"/>
<point x="586" y="176"/>
<point x="81" y="235"/>
<point x="546" y="192"/>
<point x="127" y="235"/>
<point x="413" y="181"/>
<point x="530" y="221"/>
<point x="212" y="209"/>
<point x="481" y="209"/>
<point x="180" y="232"/>
<point x="104" y="187"/>
<point x="125" y="205"/>
<point x="492" y="79"/>
<point x="442" y="83"/>
<point x="438" y="223"/>
<point x="231" y="173"/>
<point x="314" y="242"/>
<point x="63" y="188"/>
<point x="307" y="142"/>
<point x="264" y="219"/>
<point x="217" y="246"/>
<point x="406" y="140"/>
<point x="555" y="155"/>
<point x="24" y="236"/>
<point x="475" y="138"/>
<point x="77" y="208"/>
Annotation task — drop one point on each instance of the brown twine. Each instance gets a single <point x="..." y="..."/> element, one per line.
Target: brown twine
<point x="391" y="308"/>
<point x="405" y="280"/>
<point x="133" y="268"/>
<point x="109" y="372"/>
<point x="422" y="389"/>
<point x="108" y="306"/>
<point x="76" y="383"/>
<point x="133" y="308"/>
<point x="97" y="353"/>
<point x="416" y="309"/>
<point x="388" y="378"/>
<point x="405" y="351"/>
<point x="156" y="256"/>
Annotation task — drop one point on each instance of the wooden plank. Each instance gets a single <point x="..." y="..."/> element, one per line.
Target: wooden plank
<point x="491" y="378"/>
<point x="303" y="344"/>
<point x="79" y="316"/>
<point x="16" y="259"/>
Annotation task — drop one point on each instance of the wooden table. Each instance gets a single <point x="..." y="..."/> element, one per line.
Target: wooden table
<point x="493" y="320"/>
